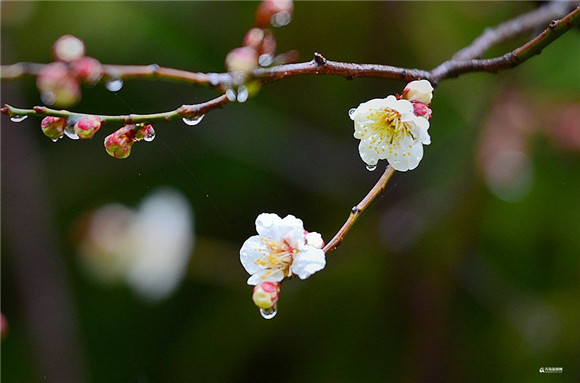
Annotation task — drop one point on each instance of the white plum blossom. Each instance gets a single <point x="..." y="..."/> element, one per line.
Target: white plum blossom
<point x="389" y="129"/>
<point x="280" y="250"/>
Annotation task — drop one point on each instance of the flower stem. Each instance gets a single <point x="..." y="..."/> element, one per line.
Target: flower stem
<point x="357" y="210"/>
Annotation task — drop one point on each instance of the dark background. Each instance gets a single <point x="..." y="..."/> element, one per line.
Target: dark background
<point x="443" y="279"/>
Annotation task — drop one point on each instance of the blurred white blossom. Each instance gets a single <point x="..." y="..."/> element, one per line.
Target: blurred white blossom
<point x="147" y="248"/>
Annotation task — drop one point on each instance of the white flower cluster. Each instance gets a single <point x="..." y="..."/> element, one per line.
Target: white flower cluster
<point x="395" y="128"/>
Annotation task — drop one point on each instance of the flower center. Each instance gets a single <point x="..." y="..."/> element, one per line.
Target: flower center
<point x="280" y="257"/>
<point x="391" y="126"/>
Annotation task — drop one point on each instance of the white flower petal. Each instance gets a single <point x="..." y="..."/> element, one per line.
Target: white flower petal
<point x="308" y="261"/>
<point x="265" y="275"/>
<point x="314" y="239"/>
<point x="292" y="231"/>
<point x="253" y="249"/>
<point x="368" y="154"/>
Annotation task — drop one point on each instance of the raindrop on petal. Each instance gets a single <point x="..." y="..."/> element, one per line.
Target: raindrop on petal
<point x="370" y="168"/>
<point x="351" y="112"/>
<point x="114" y="84"/>
<point x="231" y="94"/>
<point x="193" y="121"/>
<point x="269" y="313"/>
<point x="243" y="93"/>
<point x="18" y="118"/>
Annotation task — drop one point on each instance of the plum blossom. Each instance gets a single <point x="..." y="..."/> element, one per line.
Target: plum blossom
<point x="389" y="129"/>
<point x="280" y="250"/>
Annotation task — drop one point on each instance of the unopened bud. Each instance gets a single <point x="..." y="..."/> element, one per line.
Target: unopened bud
<point x="314" y="239"/>
<point x="57" y="86"/>
<point x="242" y="59"/>
<point x="87" y="126"/>
<point x="88" y="69"/>
<point x="265" y="295"/>
<point x="420" y="91"/>
<point x="68" y="48"/>
<point x="421" y="110"/>
<point x="119" y="143"/>
<point x="53" y="127"/>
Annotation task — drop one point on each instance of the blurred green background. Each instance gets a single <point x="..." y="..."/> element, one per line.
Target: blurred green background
<point x="449" y="277"/>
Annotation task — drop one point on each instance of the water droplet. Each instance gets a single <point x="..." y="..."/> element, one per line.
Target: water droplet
<point x="269" y="313"/>
<point x="265" y="59"/>
<point x="243" y="93"/>
<point x="69" y="131"/>
<point x="351" y="112"/>
<point x="213" y="79"/>
<point x="151" y="136"/>
<point x="18" y="118"/>
<point x="48" y="98"/>
<point x="56" y="139"/>
<point x="193" y="121"/>
<point x="280" y="19"/>
<point x="114" y="84"/>
<point x="231" y="94"/>
<point x="370" y="168"/>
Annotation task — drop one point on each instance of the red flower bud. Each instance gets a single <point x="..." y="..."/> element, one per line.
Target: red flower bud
<point x="53" y="127"/>
<point x="88" y="69"/>
<point x="87" y="126"/>
<point x="57" y="86"/>
<point x="68" y="48"/>
<point x="422" y="110"/>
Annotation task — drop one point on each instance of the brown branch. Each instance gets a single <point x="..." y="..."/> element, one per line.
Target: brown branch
<point x="357" y="210"/>
<point x="526" y="23"/>
<point x="454" y="68"/>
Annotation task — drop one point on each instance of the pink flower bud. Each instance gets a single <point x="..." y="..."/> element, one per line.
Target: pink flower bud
<point x="57" y="85"/>
<point x="421" y="110"/>
<point x="87" y="126"/>
<point x="242" y="59"/>
<point x="88" y="69"/>
<point x="68" y="48"/>
<point x="275" y="12"/>
<point x="420" y="91"/>
<point x="119" y="143"/>
<point x="265" y="295"/>
<point x="53" y="127"/>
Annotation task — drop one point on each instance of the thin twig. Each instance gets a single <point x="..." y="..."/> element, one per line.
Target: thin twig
<point x="184" y="111"/>
<point x="360" y="208"/>
<point x="454" y="68"/>
<point x="525" y="23"/>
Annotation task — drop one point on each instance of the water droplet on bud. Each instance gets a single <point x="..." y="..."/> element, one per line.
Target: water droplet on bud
<point x="56" y="139"/>
<point x="269" y="313"/>
<point x="243" y="93"/>
<point x="150" y="137"/>
<point x="18" y="118"/>
<point x="370" y="168"/>
<point x="114" y="84"/>
<point x="351" y="112"/>
<point x="231" y="94"/>
<point x="193" y="121"/>
<point x="69" y="131"/>
<point x="280" y="19"/>
<point x="265" y="59"/>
